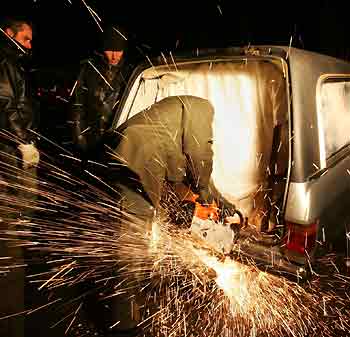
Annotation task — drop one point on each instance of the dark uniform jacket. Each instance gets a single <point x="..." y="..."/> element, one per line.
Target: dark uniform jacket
<point x="94" y="100"/>
<point x="172" y="140"/>
<point x="16" y="112"/>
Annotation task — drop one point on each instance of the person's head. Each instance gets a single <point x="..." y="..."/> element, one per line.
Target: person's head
<point x="113" y="56"/>
<point x="19" y="30"/>
<point x="113" y="45"/>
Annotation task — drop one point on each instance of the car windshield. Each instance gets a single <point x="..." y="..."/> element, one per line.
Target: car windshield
<point x="249" y="98"/>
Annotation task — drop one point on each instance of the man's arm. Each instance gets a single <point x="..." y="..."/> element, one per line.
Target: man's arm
<point x="16" y="112"/>
<point x="77" y="120"/>
<point x="16" y="115"/>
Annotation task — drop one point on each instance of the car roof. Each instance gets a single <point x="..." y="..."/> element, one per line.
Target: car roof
<point x="282" y="51"/>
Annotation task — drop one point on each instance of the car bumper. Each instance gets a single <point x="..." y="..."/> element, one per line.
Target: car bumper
<point x="270" y="259"/>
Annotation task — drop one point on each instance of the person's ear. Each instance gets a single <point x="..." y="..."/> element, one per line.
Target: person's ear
<point x="10" y="32"/>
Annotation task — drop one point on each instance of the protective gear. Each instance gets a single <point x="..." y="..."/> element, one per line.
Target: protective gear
<point x="30" y="155"/>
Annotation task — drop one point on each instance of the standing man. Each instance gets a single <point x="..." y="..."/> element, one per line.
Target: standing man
<point x="96" y="93"/>
<point x="16" y="109"/>
<point x="18" y="160"/>
<point x="94" y="99"/>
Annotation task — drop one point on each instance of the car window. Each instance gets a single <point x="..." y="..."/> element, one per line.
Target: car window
<point x="334" y="116"/>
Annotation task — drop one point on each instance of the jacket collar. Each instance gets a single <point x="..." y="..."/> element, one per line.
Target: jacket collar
<point x="101" y="59"/>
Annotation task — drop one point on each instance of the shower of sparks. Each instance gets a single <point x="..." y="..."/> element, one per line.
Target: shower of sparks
<point x="93" y="14"/>
<point x="290" y="46"/>
<point x="188" y="289"/>
<point x="73" y="88"/>
<point x="120" y="33"/>
<point x="98" y="72"/>
<point x="173" y="60"/>
<point x="165" y="60"/>
<point x="219" y="9"/>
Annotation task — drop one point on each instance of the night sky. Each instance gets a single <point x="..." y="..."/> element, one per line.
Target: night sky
<point x="66" y="32"/>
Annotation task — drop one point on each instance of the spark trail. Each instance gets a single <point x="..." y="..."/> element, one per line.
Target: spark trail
<point x="188" y="289"/>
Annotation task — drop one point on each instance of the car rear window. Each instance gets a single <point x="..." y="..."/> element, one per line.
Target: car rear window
<point x="249" y="99"/>
<point x="334" y="116"/>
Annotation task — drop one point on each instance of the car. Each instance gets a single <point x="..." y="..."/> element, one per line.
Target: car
<point x="281" y="144"/>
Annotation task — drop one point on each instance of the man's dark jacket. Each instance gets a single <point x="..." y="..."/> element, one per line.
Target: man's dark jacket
<point x="16" y="107"/>
<point x="94" y="100"/>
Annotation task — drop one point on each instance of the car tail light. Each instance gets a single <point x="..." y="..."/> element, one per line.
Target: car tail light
<point x="301" y="238"/>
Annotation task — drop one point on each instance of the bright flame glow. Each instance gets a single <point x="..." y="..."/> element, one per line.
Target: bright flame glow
<point x="248" y="99"/>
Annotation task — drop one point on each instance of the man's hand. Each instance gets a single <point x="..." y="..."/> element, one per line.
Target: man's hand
<point x="205" y="197"/>
<point x="30" y="155"/>
<point x="226" y="208"/>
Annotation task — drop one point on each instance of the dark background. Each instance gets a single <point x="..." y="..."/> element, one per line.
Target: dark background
<point x="66" y="31"/>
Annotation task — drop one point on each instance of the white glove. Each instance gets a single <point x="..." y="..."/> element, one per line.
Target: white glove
<point x="30" y="155"/>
